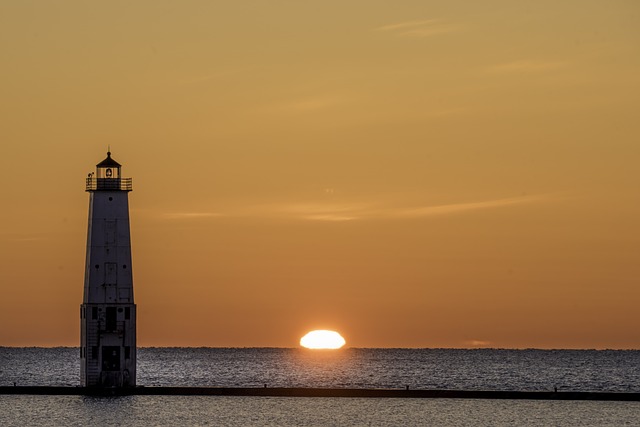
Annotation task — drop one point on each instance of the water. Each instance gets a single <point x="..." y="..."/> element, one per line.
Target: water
<point x="486" y="369"/>
<point x="575" y="370"/>
<point x="281" y="411"/>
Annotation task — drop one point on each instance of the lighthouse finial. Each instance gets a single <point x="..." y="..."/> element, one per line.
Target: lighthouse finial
<point x="109" y="150"/>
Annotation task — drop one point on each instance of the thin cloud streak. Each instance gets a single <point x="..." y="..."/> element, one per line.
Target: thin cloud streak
<point x="427" y="32"/>
<point x="463" y="207"/>
<point x="26" y="239"/>
<point x="445" y="112"/>
<point x="323" y="212"/>
<point x="407" y="24"/>
<point x="337" y="212"/>
<point x="526" y="65"/>
<point x="195" y="80"/>
<point x="190" y="215"/>
<point x="313" y="103"/>
<point x="328" y="212"/>
<point x="419" y="29"/>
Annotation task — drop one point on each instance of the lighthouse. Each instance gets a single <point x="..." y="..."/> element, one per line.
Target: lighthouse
<point x="108" y="312"/>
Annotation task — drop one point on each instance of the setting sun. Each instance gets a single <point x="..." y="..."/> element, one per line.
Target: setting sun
<point x="322" y="339"/>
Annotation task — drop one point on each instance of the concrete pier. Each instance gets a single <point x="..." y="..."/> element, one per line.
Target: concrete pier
<point x="320" y="392"/>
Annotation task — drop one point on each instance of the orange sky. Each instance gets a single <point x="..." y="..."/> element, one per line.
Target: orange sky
<point x="411" y="174"/>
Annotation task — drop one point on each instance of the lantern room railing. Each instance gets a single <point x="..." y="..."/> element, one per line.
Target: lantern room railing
<point x="108" y="184"/>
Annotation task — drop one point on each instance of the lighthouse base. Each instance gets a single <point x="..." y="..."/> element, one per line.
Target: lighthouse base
<point x="108" y="345"/>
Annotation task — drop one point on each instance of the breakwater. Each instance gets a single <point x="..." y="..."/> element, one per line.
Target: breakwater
<point x="320" y="392"/>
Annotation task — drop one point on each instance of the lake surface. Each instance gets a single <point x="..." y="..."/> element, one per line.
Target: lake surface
<point x="486" y="369"/>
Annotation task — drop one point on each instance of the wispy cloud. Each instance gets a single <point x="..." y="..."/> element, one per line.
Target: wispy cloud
<point x="408" y="24"/>
<point x="427" y="32"/>
<point x="422" y="28"/>
<point x="26" y="239"/>
<point x="18" y="237"/>
<point x="444" y="112"/>
<point x="526" y="66"/>
<point x="341" y="212"/>
<point x="190" y="215"/>
<point x="462" y="207"/>
<point x="194" y="80"/>
<point x="311" y="103"/>
<point x="333" y="211"/>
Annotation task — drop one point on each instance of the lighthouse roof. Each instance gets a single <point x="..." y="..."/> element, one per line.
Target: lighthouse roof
<point x="108" y="162"/>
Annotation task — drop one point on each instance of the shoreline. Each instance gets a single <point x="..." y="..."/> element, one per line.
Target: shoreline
<point x="319" y="392"/>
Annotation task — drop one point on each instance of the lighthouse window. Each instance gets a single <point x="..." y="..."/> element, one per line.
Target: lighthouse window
<point x="127" y="352"/>
<point x="94" y="352"/>
<point x="124" y="266"/>
<point x="94" y="313"/>
<point x="97" y="266"/>
<point x="127" y="313"/>
<point x="110" y="199"/>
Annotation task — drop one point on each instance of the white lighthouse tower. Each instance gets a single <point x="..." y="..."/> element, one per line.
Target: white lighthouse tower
<point x="108" y="314"/>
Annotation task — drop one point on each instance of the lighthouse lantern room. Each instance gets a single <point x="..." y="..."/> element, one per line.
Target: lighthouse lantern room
<point x="108" y="312"/>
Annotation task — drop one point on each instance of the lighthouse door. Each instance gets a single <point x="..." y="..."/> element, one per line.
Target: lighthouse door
<point x="110" y="358"/>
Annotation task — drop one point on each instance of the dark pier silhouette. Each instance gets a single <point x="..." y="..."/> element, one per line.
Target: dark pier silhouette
<point x="320" y="392"/>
